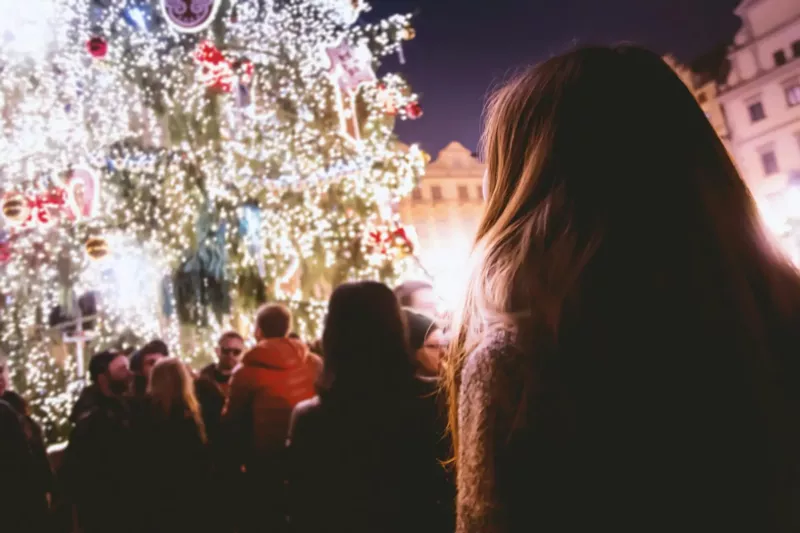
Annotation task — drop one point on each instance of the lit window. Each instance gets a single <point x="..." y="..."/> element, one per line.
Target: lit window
<point x="780" y="58"/>
<point x="463" y="193"/>
<point x="416" y="194"/>
<point x="756" y="110"/>
<point x="793" y="93"/>
<point x="769" y="162"/>
<point x="436" y="193"/>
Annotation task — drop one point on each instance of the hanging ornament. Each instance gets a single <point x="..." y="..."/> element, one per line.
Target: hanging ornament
<point x="15" y="208"/>
<point x="414" y="110"/>
<point x="390" y="240"/>
<point x="216" y="72"/>
<point x="82" y="193"/>
<point x="97" y="47"/>
<point x="407" y="33"/>
<point x="96" y="248"/>
<point x="5" y="247"/>
<point x="402" y="242"/>
<point x="387" y="98"/>
<point x="190" y="16"/>
<point x="45" y="206"/>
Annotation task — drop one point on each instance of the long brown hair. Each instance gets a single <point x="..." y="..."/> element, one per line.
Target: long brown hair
<point x="171" y="391"/>
<point x="610" y="198"/>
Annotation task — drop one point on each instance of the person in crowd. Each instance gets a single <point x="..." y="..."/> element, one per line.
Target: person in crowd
<point x="419" y="296"/>
<point x="99" y="463"/>
<point x="427" y="343"/>
<point x="625" y="359"/>
<point x="212" y="386"/>
<point x="229" y="350"/>
<point x="364" y="454"/>
<point x="105" y="383"/>
<point x="274" y="376"/>
<point x="142" y="362"/>
<point x="23" y="506"/>
<point x="41" y="478"/>
<point x="175" y="463"/>
<point x="33" y="433"/>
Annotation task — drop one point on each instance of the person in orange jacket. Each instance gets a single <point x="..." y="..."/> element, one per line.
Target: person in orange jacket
<point x="273" y="377"/>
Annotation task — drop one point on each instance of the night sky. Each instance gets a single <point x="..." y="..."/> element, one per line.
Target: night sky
<point x="463" y="48"/>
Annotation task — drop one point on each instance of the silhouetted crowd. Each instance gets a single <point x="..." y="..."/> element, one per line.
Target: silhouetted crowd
<point x="274" y="438"/>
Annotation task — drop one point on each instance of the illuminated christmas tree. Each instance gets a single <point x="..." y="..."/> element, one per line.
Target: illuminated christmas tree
<point x="168" y="165"/>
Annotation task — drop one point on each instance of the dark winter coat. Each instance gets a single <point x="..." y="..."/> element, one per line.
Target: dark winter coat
<point x="33" y="433"/>
<point x="175" y="470"/>
<point x="212" y="374"/>
<point x="380" y="473"/>
<point x="23" y="505"/>
<point x="100" y="467"/>
<point x="89" y="398"/>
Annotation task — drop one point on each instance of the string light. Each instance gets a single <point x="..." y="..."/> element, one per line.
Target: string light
<point x="176" y="159"/>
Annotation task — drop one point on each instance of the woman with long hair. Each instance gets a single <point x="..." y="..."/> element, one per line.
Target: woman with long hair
<point x="626" y="354"/>
<point x="364" y="455"/>
<point x="175" y="461"/>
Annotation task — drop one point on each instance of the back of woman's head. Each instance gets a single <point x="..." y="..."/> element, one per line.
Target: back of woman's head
<point x="364" y="342"/>
<point x="616" y="227"/>
<point x="603" y="174"/>
<point x="171" y="390"/>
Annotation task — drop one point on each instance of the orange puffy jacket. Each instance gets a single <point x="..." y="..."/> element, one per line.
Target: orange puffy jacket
<point x="272" y="378"/>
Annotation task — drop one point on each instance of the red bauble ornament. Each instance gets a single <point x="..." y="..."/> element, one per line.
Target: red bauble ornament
<point x="5" y="252"/>
<point x="414" y="110"/>
<point x="97" y="46"/>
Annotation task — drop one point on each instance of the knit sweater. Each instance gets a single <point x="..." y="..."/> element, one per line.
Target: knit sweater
<point x="491" y="388"/>
<point x="626" y="440"/>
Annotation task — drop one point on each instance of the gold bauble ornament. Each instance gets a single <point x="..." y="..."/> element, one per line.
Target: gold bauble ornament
<point x="15" y="208"/>
<point x="97" y="248"/>
<point x="408" y="33"/>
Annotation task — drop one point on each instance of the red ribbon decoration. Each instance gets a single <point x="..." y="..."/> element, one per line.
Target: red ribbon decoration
<point x="219" y="73"/>
<point x="40" y="205"/>
<point x="384" y="240"/>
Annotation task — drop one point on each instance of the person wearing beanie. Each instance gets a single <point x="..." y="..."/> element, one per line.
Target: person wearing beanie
<point x="426" y="341"/>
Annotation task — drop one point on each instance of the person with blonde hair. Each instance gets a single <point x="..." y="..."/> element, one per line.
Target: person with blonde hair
<point x="176" y="464"/>
<point x="625" y="356"/>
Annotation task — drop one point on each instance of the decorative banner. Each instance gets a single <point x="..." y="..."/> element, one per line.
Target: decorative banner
<point x="190" y="16"/>
<point x="349" y="68"/>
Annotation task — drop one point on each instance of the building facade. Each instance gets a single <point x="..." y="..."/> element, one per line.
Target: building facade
<point x="761" y="96"/>
<point x="445" y="209"/>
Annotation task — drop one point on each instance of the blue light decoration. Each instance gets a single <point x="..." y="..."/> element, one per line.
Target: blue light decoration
<point x="138" y="16"/>
<point x="250" y="230"/>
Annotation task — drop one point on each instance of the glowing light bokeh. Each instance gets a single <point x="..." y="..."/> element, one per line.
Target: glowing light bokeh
<point x="178" y="159"/>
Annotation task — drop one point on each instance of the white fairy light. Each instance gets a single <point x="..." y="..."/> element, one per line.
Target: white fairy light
<point x="168" y="140"/>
